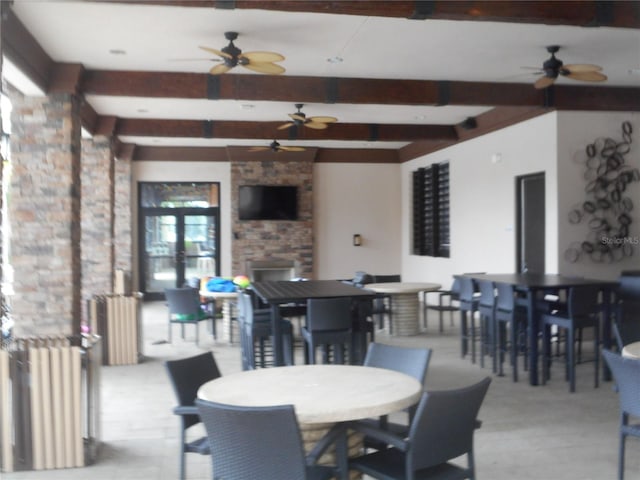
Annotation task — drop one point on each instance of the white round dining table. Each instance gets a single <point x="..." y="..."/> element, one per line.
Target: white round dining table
<point x="321" y="395"/>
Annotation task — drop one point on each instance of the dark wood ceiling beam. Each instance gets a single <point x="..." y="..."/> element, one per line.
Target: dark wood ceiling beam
<point x="181" y="154"/>
<point x="355" y="90"/>
<point x="487" y="122"/>
<point x="621" y="14"/>
<point x="225" y="154"/>
<point x="269" y="130"/>
<point x="22" y="49"/>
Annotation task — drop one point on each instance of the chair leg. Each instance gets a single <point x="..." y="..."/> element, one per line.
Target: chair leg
<point x="571" y="361"/>
<point x="621" y="450"/>
<point x="464" y="333"/>
<point x="513" y="349"/>
<point x="183" y="467"/>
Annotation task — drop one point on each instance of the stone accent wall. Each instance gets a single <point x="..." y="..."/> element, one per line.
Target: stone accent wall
<point x="44" y="214"/>
<point x="264" y="240"/>
<point x="97" y="217"/>
<point x="123" y="206"/>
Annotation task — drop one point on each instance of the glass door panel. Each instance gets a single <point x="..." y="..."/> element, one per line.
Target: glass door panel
<point x="178" y="243"/>
<point x="159" y="264"/>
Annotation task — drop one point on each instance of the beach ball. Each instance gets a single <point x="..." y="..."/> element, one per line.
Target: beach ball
<point x="241" y="281"/>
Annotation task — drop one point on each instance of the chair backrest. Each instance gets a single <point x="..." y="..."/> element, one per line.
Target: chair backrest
<point x="455" y="286"/>
<point x="467" y="289"/>
<point x="386" y="278"/>
<point x="329" y="313"/>
<point x="253" y="442"/>
<point x="627" y="329"/>
<point x="362" y="278"/>
<point x="183" y="300"/>
<point x="443" y="425"/>
<point x="626" y="373"/>
<point x="505" y="300"/>
<point x="411" y="361"/>
<point x="629" y="286"/>
<point x="487" y="293"/>
<point x="583" y="300"/>
<point x="188" y="374"/>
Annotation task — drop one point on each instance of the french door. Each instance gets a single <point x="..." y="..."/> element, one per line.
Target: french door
<point x="177" y="244"/>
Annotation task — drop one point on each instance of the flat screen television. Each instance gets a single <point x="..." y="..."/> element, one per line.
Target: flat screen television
<point x="268" y="202"/>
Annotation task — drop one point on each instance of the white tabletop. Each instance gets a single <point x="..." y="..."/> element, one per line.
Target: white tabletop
<point x="402" y="287"/>
<point x="632" y="350"/>
<point x="319" y="393"/>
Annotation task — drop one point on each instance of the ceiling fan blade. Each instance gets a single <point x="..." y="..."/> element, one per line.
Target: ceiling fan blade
<point x="268" y="68"/>
<point x="544" y="82"/>
<point x="292" y="149"/>
<point x="581" y="67"/>
<point x="323" y="119"/>
<point x="262" y="57"/>
<point x="216" y="52"/>
<point x="258" y="149"/>
<point x="219" y="69"/>
<point x="315" y="125"/>
<point x="286" y="125"/>
<point x="587" y="76"/>
<point x="297" y="116"/>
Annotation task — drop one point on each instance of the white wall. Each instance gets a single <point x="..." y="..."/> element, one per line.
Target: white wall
<point x="352" y="198"/>
<point x="576" y="130"/>
<point x="482" y="201"/>
<point x="189" y="172"/>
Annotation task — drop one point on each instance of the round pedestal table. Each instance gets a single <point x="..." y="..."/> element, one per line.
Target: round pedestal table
<point x="321" y="395"/>
<point x="405" y="303"/>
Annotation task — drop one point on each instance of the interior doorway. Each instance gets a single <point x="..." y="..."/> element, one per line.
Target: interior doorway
<point x="178" y="235"/>
<point x="530" y="235"/>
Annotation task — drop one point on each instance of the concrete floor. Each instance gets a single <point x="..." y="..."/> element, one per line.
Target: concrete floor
<point x="528" y="433"/>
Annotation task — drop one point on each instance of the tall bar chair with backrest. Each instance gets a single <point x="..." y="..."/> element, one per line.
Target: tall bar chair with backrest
<point x="329" y="325"/>
<point x="583" y="311"/>
<point x="468" y="307"/>
<point x="627" y="316"/>
<point x="256" y="332"/>
<point x="512" y="317"/>
<point x="486" y="309"/>
<point x="626" y="373"/>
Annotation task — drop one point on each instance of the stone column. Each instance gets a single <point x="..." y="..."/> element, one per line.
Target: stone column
<point x="97" y="217"/>
<point x="44" y="214"/>
<point x="123" y="206"/>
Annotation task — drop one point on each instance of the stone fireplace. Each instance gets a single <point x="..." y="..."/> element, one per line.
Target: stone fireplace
<point x="271" y="270"/>
<point x="273" y="249"/>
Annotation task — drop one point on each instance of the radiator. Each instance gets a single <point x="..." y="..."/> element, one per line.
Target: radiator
<point x="47" y="392"/>
<point x="117" y="319"/>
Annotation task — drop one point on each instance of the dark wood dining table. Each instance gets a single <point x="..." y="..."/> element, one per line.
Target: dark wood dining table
<point x="278" y="293"/>
<point x="531" y="284"/>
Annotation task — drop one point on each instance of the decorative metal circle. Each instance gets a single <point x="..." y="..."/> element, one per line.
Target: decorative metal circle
<point x="575" y="216"/>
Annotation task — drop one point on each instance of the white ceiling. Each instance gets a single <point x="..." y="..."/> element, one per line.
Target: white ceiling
<point x="159" y="38"/>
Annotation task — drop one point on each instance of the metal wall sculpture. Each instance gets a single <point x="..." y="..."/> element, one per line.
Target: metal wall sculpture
<point x="607" y="207"/>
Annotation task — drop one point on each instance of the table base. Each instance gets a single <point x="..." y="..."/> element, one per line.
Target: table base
<point x="230" y="333"/>
<point x="312" y="433"/>
<point x="405" y="308"/>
